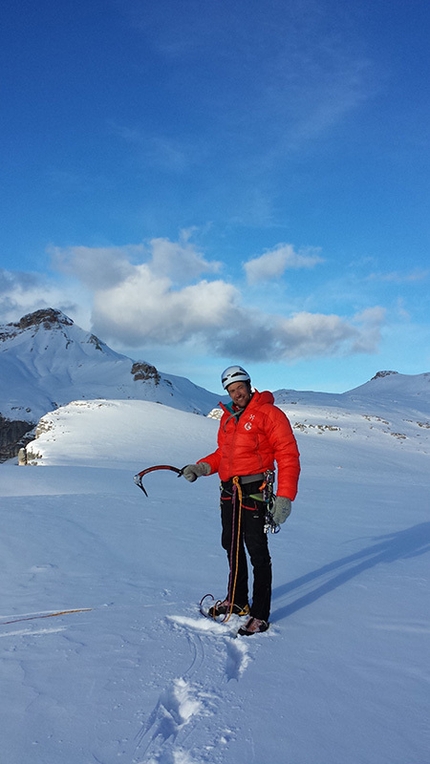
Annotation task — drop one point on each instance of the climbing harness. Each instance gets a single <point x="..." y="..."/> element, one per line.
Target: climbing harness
<point x="138" y="478"/>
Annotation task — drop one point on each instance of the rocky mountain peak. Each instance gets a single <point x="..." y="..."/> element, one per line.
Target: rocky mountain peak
<point x="381" y="374"/>
<point x="48" y="318"/>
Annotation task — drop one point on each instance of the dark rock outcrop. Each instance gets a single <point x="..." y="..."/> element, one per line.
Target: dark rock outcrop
<point x="145" y="372"/>
<point x="13" y="437"/>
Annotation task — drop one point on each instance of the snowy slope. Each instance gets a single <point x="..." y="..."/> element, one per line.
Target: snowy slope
<point x="47" y="361"/>
<point x="342" y="676"/>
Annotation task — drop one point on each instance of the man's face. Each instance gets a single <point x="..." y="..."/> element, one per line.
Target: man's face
<point x="239" y="393"/>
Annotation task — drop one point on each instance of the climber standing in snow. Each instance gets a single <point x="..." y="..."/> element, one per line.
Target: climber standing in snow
<point x="253" y="435"/>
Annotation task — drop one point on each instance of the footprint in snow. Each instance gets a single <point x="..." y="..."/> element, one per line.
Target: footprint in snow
<point x="177" y="706"/>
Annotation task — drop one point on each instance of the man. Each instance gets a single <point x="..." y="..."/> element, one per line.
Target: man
<point x="253" y="435"/>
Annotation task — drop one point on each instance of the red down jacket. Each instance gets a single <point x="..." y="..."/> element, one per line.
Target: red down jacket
<point x="252" y="443"/>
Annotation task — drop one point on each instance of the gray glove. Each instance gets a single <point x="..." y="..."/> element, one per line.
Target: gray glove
<point x="192" y="471"/>
<point x="281" y="509"/>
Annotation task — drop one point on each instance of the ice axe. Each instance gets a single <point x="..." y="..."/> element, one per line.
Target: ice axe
<point x="138" y="478"/>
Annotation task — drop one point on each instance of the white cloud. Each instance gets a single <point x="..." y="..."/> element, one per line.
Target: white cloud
<point x="313" y="334"/>
<point x="153" y="305"/>
<point x="303" y="335"/>
<point x="96" y="267"/>
<point x="106" y="267"/>
<point x="273" y="263"/>
<point x="181" y="260"/>
<point x="145" y="307"/>
<point x="368" y="337"/>
<point x="22" y="293"/>
<point x="154" y="294"/>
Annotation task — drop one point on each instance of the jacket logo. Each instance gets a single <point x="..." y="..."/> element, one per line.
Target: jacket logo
<point x="248" y="425"/>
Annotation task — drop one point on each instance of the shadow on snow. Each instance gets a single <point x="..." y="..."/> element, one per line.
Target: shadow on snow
<point x="389" y="548"/>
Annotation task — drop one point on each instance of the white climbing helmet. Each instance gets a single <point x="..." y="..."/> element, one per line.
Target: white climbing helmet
<point x="234" y="374"/>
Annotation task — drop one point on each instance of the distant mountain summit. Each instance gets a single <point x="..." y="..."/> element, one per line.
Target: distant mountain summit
<point x="47" y="333"/>
<point x="390" y="385"/>
<point x="46" y="361"/>
<point x="48" y="318"/>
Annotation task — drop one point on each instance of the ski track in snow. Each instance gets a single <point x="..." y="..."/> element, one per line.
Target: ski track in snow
<point x="185" y="705"/>
<point x="31" y="632"/>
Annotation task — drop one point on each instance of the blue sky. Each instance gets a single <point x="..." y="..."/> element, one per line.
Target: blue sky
<point x="205" y="183"/>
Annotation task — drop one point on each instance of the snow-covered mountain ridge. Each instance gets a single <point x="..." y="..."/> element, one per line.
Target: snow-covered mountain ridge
<point x="47" y="363"/>
<point x="390" y="407"/>
<point x="84" y="430"/>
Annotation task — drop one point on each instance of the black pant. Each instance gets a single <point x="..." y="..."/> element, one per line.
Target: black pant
<point x="244" y="527"/>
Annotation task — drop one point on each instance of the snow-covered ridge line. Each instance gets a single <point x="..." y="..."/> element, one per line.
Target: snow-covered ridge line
<point x="83" y="429"/>
<point x="46" y="361"/>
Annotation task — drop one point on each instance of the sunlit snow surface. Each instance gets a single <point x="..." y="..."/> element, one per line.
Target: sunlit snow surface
<point x="137" y="675"/>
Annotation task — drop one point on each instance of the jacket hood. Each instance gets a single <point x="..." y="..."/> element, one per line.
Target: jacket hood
<point x="265" y="397"/>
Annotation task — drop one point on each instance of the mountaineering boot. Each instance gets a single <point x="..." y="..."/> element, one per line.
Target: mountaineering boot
<point x="253" y="626"/>
<point x="224" y="607"/>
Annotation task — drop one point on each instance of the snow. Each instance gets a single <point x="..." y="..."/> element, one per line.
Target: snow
<point x="136" y="675"/>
